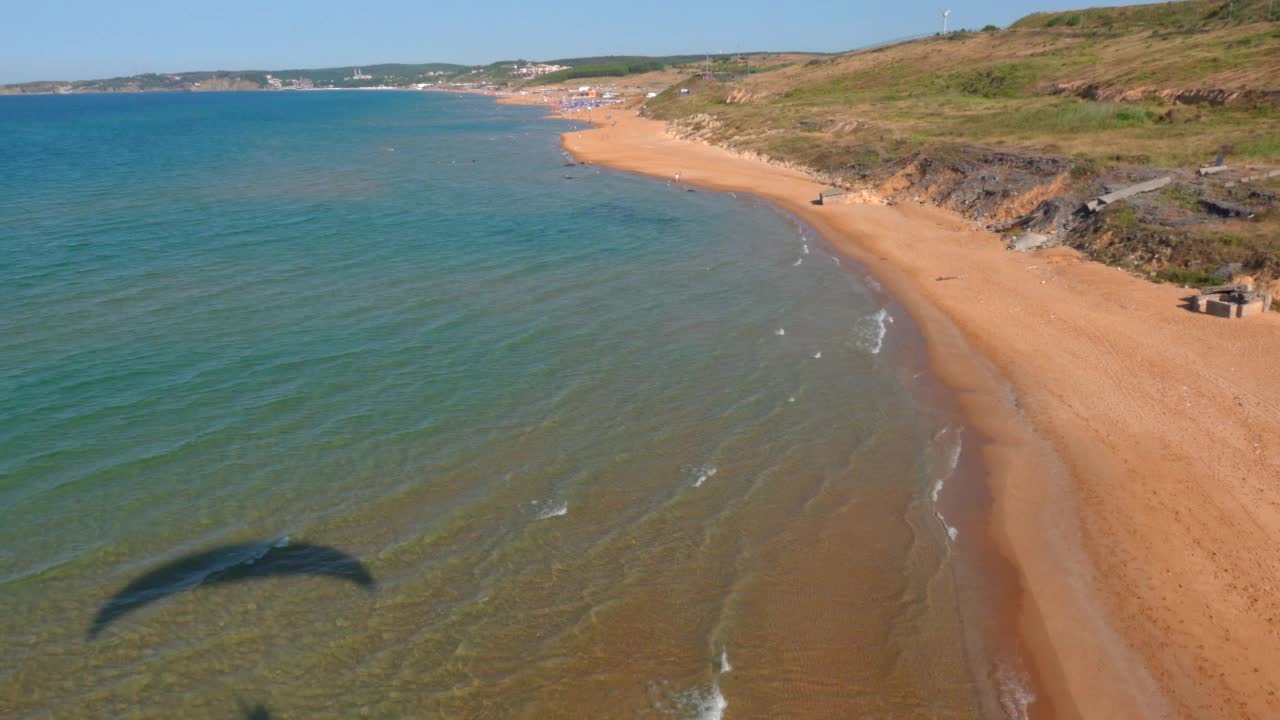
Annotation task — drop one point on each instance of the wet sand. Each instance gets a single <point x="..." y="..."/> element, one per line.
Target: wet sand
<point x="1130" y="444"/>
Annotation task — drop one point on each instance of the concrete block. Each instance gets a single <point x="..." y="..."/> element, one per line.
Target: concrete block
<point x="1253" y="307"/>
<point x="1219" y="308"/>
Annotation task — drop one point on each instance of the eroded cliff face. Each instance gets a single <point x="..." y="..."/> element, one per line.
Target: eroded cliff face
<point x="1171" y="95"/>
<point x="1195" y="230"/>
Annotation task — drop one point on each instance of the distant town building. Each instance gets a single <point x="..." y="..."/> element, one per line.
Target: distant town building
<point x="537" y="69"/>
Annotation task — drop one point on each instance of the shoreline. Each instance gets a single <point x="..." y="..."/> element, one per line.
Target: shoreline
<point x="976" y="393"/>
<point x="1080" y="381"/>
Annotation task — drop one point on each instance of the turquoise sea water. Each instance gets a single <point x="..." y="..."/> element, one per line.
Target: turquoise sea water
<point x="604" y="447"/>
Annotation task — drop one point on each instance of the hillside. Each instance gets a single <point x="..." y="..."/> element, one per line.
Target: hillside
<point x="504" y="73"/>
<point x="1017" y="127"/>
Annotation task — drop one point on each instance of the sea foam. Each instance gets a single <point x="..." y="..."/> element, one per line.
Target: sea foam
<point x="1013" y="689"/>
<point x="704" y="473"/>
<point x="724" y="662"/>
<point x="948" y="443"/>
<point x="871" y="330"/>
<point x="553" y="510"/>
<point x="705" y="703"/>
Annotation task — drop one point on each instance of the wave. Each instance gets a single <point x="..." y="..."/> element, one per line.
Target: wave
<point x="552" y="510"/>
<point x="950" y="456"/>
<point x="705" y="703"/>
<point x="871" y="330"/>
<point x="724" y="662"/>
<point x="1013" y="690"/>
<point x="704" y="473"/>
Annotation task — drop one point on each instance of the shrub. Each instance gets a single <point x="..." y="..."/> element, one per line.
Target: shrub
<point x="1190" y="278"/>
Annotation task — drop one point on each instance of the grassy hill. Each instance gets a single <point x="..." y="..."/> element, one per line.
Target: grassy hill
<point x="1071" y="101"/>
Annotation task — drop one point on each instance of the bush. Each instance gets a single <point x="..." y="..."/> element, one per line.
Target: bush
<point x="1190" y="278"/>
<point x="999" y="81"/>
<point x="989" y="28"/>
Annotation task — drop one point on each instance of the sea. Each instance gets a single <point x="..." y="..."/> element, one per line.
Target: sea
<point x="377" y="404"/>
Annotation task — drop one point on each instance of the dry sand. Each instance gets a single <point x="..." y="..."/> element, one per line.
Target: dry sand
<point x="1132" y="446"/>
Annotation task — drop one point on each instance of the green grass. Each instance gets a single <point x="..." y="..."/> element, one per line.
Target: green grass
<point x="1121" y="217"/>
<point x="1008" y="80"/>
<point x="613" y="69"/>
<point x="1181" y="196"/>
<point x="1188" y="16"/>
<point x="1189" y="278"/>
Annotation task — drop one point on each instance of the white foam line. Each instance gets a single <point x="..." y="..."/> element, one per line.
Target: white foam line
<point x="703" y="474"/>
<point x="1014" y="691"/>
<point x="709" y="704"/>
<point x="553" y="511"/>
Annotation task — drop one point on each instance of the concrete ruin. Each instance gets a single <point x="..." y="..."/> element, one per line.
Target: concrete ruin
<point x="832" y="195"/>
<point x="1102" y="201"/>
<point x="1029" y="241"/>
<point x="1232" y="301"/>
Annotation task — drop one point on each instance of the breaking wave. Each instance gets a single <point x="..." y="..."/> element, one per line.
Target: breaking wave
<point x="947" y="445"/>
<point x="705" y="703"/>
<point x="1013" y="689"/>
<point x="551" y="510"/>
<point x="704" y="473"/>
<point x="871" y="330"/>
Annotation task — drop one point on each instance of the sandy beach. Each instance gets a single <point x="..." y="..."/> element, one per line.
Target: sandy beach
<point x="1130" y="444"/>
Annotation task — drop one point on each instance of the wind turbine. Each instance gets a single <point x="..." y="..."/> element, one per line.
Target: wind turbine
<point x="945" y="13"/>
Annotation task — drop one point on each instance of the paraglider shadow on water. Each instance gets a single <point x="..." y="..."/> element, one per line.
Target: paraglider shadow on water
<point x="231" y="563"/>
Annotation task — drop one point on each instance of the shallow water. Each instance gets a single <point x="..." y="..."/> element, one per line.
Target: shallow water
<point x="605" y="447"/>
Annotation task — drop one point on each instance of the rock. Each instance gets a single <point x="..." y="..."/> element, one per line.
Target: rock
<point x="1221" y="208"/>
<point x="1227" y="271"/>
<point x="1248" y="281"/>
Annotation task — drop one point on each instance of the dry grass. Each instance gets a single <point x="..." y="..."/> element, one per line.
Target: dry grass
<point x="998" y="88"/>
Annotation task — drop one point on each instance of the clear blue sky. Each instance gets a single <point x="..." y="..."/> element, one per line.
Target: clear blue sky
<point x="82" y="39"/>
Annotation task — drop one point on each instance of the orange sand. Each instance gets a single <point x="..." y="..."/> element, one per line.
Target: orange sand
<point x="1133" y="449"/>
